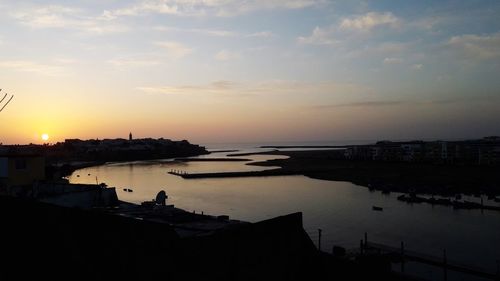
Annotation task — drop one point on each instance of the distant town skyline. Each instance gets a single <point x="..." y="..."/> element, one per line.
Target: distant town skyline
<point x="249" y="71"/>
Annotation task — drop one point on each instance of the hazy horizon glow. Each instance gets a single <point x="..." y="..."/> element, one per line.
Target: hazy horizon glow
<point x="249" y="71"/>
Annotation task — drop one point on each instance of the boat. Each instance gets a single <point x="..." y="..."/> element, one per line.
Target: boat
<point x="376" y="208"/>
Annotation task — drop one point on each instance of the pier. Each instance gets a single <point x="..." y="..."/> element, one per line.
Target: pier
<point x="402" y="255"/>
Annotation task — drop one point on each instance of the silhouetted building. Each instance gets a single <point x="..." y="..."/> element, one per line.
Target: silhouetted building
<point x="21" y="169"/>
<point x="130" y="136"/>
<point x="484" y="151"/>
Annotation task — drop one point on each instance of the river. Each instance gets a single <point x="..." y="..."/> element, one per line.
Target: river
<point x="341" y="209"/>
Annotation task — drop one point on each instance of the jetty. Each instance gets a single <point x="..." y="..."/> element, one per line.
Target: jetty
<point x="212" y="159"/>
<point x="264" y="173"/>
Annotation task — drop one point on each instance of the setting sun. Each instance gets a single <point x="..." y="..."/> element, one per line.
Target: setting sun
<point x="45" y="137"/>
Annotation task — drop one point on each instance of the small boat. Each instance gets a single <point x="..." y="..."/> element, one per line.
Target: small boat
<point x="376" y="208"/>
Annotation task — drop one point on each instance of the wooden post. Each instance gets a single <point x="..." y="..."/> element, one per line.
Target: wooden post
<point x="445" y="266"/>
<point x="498" y="270"/>
<point x="319" y="239"/>
<point x="402" y="257"/>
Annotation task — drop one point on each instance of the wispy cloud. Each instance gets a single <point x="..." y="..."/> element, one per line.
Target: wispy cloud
<point x="359" y="104"/>
<point x="133" y="62"/>
<point x="393" y="60"/>
<point x="175" y="50"/>
<point x="202" y="31"/>
<point x="330" y="35"/>
<point x="225" y="55"/>
<point x="33" y="67"/>
<point x="216" y="87"/>
<point x="319" y="36"/>
<point x="422" y="102"/>
<point x="224" y="8"/>
<point x="478" y="47"/>
<point x="261" y="34"/>
<point x="369" y="21"/>
<point x="281" y="87"/>
<point x="64" y="18"/>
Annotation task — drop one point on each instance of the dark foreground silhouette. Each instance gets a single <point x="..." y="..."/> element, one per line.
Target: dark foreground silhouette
<point x="53" y="243"/>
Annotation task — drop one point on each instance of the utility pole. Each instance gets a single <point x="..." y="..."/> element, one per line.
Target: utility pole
<point x="319" y="239"/>
<point x="445" y="266"/>
<point x="402" y="257"/>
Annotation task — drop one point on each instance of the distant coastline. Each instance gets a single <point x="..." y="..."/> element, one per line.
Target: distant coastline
<point x="63" y="158"/>
<point x="446" y="180"/>
<point x="386" y="176"/>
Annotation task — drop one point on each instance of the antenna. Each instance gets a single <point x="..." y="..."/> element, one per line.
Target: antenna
<point x="3" y="98"/>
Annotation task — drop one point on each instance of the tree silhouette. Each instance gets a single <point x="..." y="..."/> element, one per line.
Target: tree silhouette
<point x="7" y="102"/>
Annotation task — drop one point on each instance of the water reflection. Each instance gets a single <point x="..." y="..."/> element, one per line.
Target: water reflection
<point x="341" y="209"/>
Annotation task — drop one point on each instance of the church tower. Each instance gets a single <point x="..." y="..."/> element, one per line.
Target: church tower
<point x="130" y="136"/>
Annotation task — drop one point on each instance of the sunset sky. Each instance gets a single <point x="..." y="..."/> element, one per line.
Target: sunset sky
<point x="250" y="71"/>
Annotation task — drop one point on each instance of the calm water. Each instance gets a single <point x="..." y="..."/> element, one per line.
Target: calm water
<point x="341" y="209"/>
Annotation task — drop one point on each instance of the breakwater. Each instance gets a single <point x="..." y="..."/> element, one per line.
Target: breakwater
<point x="265" y="173"/>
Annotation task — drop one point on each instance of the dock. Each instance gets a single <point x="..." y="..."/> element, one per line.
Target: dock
<point x="402" y="255"/>
<point x="447" y="202"/>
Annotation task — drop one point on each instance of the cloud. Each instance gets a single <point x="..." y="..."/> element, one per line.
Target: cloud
<point x="422" y="102"/>
<point x="393" y="60"/>
<point x="125" y="62"/>
<point x="224" y="84"/>
<point x="261" y="34"/>
<point x="319" y="36"/>
<point x="359" y="104"/>
<point x="62" y="17"/>
<point x="33" y="67"/>
<point x="225" y="55"/>
<point x="477" y="47"/>
<point x="362" y="23"/>
<point x="270" y="87"/>
<point x="216" y="87"/>
<point x="417" y="66"/>
<point x="369" y="21"/>
<point x="221" y="8"/>
<point x="207" y="32"/>
<point x="175" y="50"/>
<point x="213" y="32"/>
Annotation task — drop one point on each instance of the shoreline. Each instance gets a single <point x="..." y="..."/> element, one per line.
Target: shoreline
<point x="68" y="168"/>
<point x="383" y="176"/>
<point x="446" y="180"/>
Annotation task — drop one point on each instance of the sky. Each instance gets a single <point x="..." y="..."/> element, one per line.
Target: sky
<point x="250" y="71"/>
